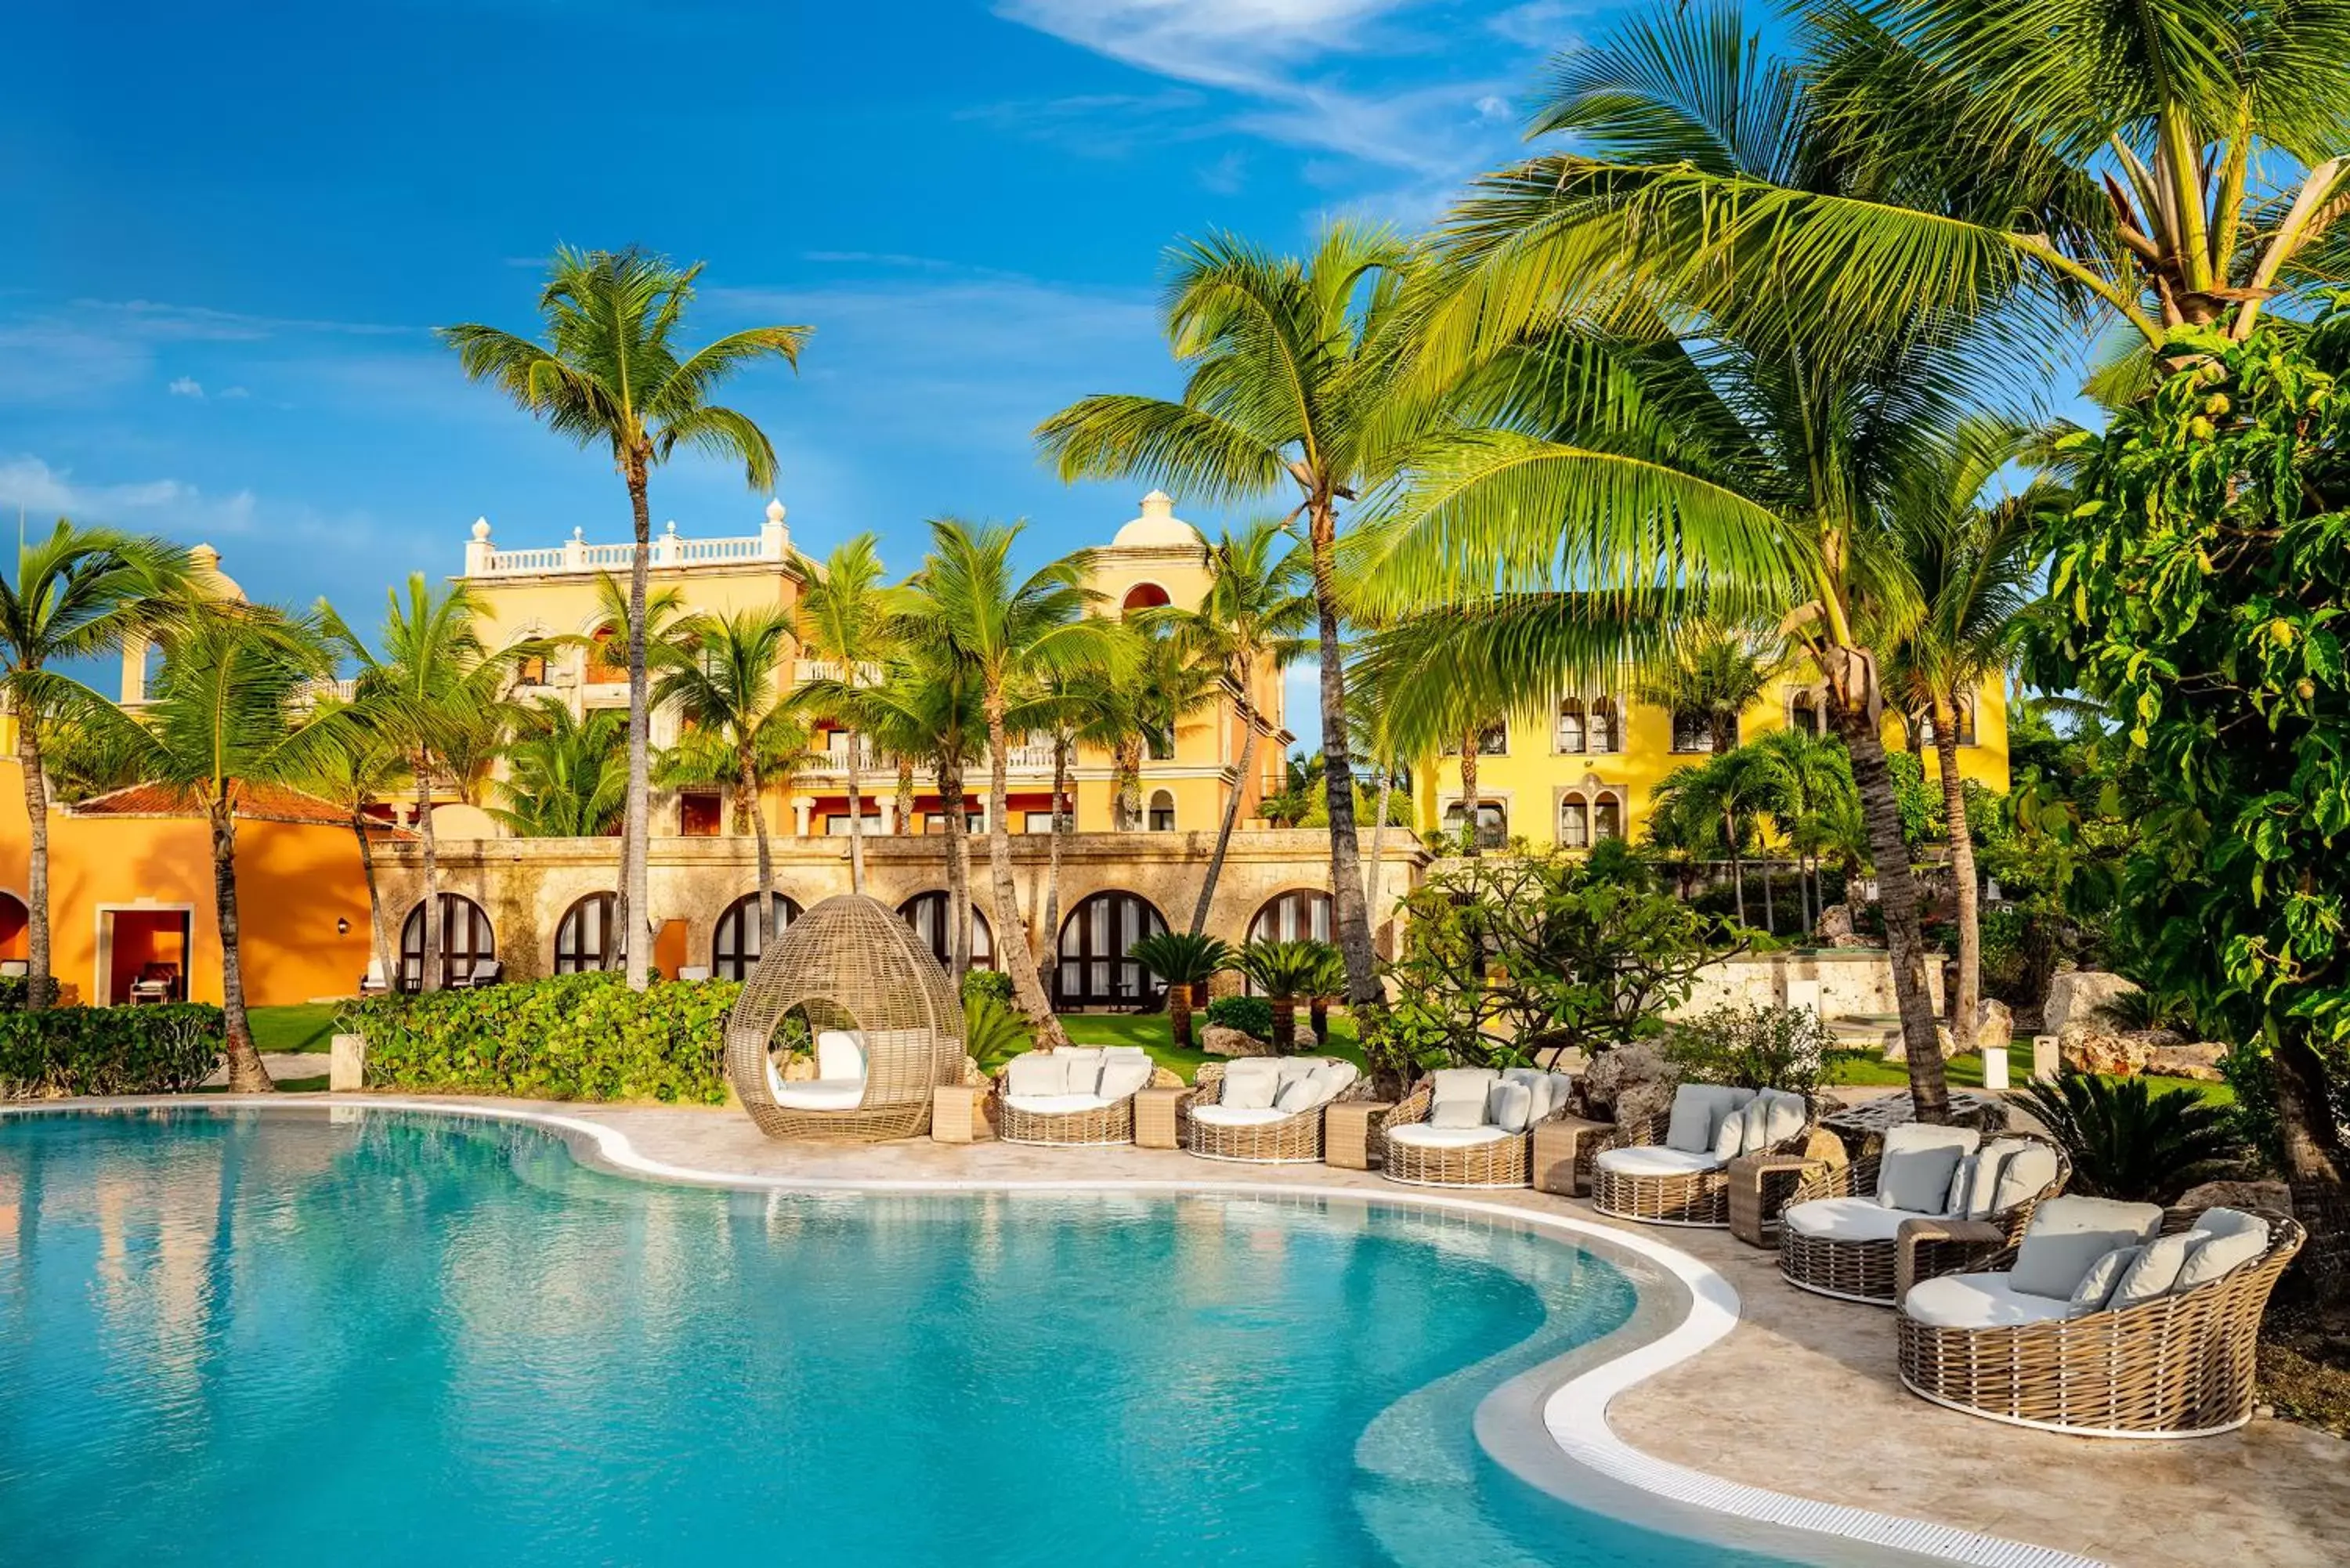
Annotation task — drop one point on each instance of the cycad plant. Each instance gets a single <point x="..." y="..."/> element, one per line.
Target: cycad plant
<point x="2129" y="1140"/>
<point x="1329" y="984"/>
<point x="993" y="1032"/>
<point x="1284" y="971"/>
<point x="611" y="374"/>
<point x="565" y="777"/>
<point x="1182" y="960"/>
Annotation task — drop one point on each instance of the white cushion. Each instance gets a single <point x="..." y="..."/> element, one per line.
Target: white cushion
<point x="1844" y="1219"/>
<point x="1459" y="1096"/>
<point x="1250" y="1084"/>
<point x="1979" y="1301"/>
<point x="1730" y="1134"/>
<point x="1509" y="1107"/>
<point x="1122" y="1076"/>
<point x="2156" y="1269"/>
<point x="1220" y="1116"/>
<point x="1033" y="1073"/>
<point x="2068" y="1234"/>
<point x="822" y="1094"/>
<point x="1770" y="1119"/>
<point x="1081" y="1067"/>
<point x="839" y="1053"/>
<point x="2221" y="1253"/>
<point x="1920" y="1161"/>
<point x="1054" y="1105"/>
<point x="1650" y="1159"/>
<point x="1698" y="1112"/>
<point x="1419" y="1135"/>
<point x="2233" y="1222"/>
<point x="1332" y="1079"/>
<point x="2096" y="1286"/>
<point x="2022" y="1176"/>
<point x="1549" y="1090"/>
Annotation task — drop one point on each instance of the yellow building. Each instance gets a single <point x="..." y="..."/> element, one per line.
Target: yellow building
<point x="1588" y="768"/>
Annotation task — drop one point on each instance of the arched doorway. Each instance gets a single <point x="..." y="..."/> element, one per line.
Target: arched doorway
<point x="734" y="948"/>
<point x="1300" y="915"/>
<point x="926" y="913"/>
<point x="585" y="939"/>
<point x="466" y="940"/>
<point x="1094" y="971"/>
<point x="15" y="933"/>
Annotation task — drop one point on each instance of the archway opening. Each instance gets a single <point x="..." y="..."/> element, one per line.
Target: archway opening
<point x="926" y="913"/>
<point x="467" y="942"/>
<point x="1094" y="971"/>
<point x="735" y="945"/>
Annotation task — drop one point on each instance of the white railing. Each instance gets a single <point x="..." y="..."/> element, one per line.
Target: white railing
<point x="669" y="551"/>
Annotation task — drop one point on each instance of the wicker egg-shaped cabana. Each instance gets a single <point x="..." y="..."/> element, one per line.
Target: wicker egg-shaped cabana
<point x="885" y="1025"/>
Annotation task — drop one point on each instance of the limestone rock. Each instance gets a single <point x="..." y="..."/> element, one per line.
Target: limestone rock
<point x="1612" y="1072"/>
<point x="2273" y="1196"/>
<point x="2199" y="1061"/>
<point x="2077" y="997"/>
<point x="1645" y="1100"/>
<point x="1836" y="929"/>
<point x="2108" y="1053"/>
<point x="1994" y="1024"/>
<point x="1217" y="1040"/>
<point x="971" y="1075"/>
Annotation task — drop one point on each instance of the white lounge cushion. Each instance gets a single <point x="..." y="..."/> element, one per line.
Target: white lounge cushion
<point x="1420" y="1134"/>
<point x="1250" y="1084"/>
<point x="1221" y="1116"/>
<point x="1081" y="1067"/>
<point x="1771" y="1118"/>
<point x="2154" y="1270"/>
<point x="821" y="1095"/>
<point x="839" y="1053"/>
<point x="1979" y="1301"/>
<point x="1698" y="1113"/>
<point x="2232" y="1239"/>
<point x="1033" y="1073"/>
<point x="1332" y="1079"/>
<point x="1549" y="1090"/>
<point x="1975" y="1188"/>
<point x="1651" y="1159"/>
<point x="1918" y="1164"/>
<point x="1509" y="1107"/>
<point x="1459" y="1096"/>
<point x="1730" y="1134"/>
<point x="2068" y="1234"/>
<point x="1844" y="1219"/>
<point x="2023" y="1175"/>
<point x="2096" y="1286"/>
<point x="1122" y="1075"/>
<point x="1054" y="1105"/>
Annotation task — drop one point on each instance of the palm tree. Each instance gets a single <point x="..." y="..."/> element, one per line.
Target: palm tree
<point x="566" y="778"/>
<point x="435" y="680"/>
<point x="724" y="675"/>
<point x="1182" y="960"/>
<point x="1712" y="680"/>
<point x="1291" y="394"/>
<point x="610" y="374"/>
<point x="618" y="621"/>
<point x="75" y="595"/>
<point x="1249" y="624"/>
<point x="970" y="605"/>
<point x="1805" y="784"/>
<point x="843" y="618"/>
<point x="1284" y="972"/>
<point x="1975" y="566"/>
<point x="357" y="778"/>
<point x="230" y="709"/>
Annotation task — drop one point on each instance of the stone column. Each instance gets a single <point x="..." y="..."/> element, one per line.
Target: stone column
<point x="800" y="808"/>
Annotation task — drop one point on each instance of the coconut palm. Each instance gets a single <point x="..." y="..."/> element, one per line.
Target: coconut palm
<point x="970" y="606"/>
<point x="78" y="594"/>
<point x="1182" y="960"/>
<point x="616" y="621"/>
<point x="1251" y="623"/>
<point x="612" y="375"/>
<point x="1284" y="971"/>
<point x="359" y="777"/>
<point x="844" y="620"/>
<point x="566" y="777"/>
<point x="1291" y="394"/>
<point x="1805" y="784"/>
<point x="1712" y="679"/>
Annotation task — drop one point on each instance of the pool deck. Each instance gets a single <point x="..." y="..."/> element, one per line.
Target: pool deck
<point x="1800" y="1396"/>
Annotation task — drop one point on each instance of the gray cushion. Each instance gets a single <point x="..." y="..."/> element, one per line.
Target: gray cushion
<point x="1918" y="1163"/>
<point x="2098" y="1284"/>
<point x="1770" y="1119"/>
<point x="1729" y="1136"/>
<point x="2068" y="1234"/>
<point x="1976" y="1185"/>
<point x="2157" y="1268"/>
<point x="1698" y="1111"/>
<point x="1460" y="1097"/>
<point x="2223" y="1250"/>
<point x="2023" y="1176"/>
<point x="1250" y="1085"/>
<point x="1509" y="1107"/>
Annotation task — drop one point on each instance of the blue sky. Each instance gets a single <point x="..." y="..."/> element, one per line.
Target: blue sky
<point x="236" y="225"/>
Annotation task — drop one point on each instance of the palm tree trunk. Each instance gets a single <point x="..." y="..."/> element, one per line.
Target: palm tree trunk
<point x="2314" y="1163"/>
<point x="37" y="879"/>
<point x="1471" y="830"/>
<point x="1737" y="866"/>
<point x="1378" y="848"/>
<point x="1178" y="1013"/>
<point x="856" y="823"/>
<point x="430" y="980"/>
<point x="246" y="1072"/>
<point x="1013" y="948"/>
<point x="958" y="874"/>
<point x="1284" y="1025"/>
<point x="1128" y="759"/>
<point x="905" y="796"/>
<point x="1351" y="918"/>
<point x="1962" y="998"/>
<point x="768" y="931"/>
<point x="1232" y="820"/>
<point x="1061" y="826"/>
<point x="1897" y="893"/>
<point x="377" y="936"/>
<point x="635" y="830"/>
<point x="1770" y="915"/>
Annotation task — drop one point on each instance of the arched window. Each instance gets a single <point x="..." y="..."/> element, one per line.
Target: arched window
<point x="466" y="940"/>
<point x="608" y="657"/>
<point x="926" y="913"/>
<point x="1606" y="726"/>
<point x="734" y="948"/>
<point x="1573" y="822"/>
<point x="1803" y="714"/>
<point x="1302" y="915"/>
<point x="585" y="939"/>
<point x="1606" y="818"/>
<point x="1162" y="811"/>
<point x="1094" y="971"/>
<point x="1144" y="595"/>
<point x="1492" y="823"/>
<point x="1694" y="732"/>
<point x="1570" y="725"/>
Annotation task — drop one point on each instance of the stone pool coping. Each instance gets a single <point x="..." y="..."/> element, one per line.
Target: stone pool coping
<point x="1819" y="1438"/>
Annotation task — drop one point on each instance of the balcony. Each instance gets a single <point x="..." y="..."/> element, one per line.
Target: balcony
<point x="670" y="551"/>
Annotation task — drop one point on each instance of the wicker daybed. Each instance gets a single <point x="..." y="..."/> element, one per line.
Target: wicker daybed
<point x="2179" y="1363"/>
<point x="1284" y="1130"/>
<point x="881" y="1017"/>
<point x="1840" y="1235"/>
<point x="1483" y="1143"/>
<point x="1659" y="1171"/>
<point x="1075" y="1095"/>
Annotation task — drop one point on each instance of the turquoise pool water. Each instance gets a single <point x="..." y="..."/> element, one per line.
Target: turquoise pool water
<point x="270" y="1338"/>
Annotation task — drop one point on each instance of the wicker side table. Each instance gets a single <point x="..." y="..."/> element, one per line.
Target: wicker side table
<point x="1759" y="1186"/>
<point x="1562" y="1145"/>
<point x="958" y="1113"/>
<point x="1154" y="1117"/>
<point x="1350" y="1132"/>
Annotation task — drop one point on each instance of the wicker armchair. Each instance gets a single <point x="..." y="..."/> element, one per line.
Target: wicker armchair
<point x="1880" y="1270"/>
<point x="1692" y="1191"/>
<point x="2179" y="1365"/>
<point x="1098" y="1110"/>
<point x="1266" y="1137"/>
<point x="1483" y="1157"/>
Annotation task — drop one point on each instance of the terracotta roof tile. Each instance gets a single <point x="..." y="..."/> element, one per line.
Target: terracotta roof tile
<point x="254" y="802"/>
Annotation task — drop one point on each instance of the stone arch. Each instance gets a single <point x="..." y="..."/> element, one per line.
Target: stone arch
<point x="467" y="939"/>
<point x="586" y="935"/>
<point x="1092" y="969"/>
<point x="928" y="914"/>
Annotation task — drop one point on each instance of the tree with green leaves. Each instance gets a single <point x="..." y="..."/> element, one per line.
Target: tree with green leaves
<point x="1182" y="960"/>
<point x="844" y="619"/>
<point x="78" y="594"/>
<point x="1805" y="783"/>
<point x="611" y="375"/>
<point x="565" y="777"/>
<point x="357" y="778"/>
<point x="1284" y="971"/>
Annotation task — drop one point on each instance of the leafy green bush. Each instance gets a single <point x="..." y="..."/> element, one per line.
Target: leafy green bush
<point x="993" y="1031"/>
<point x="572" y="1037"/>
<point x="2127" y="1141"/>
<point x="109" y="1050"/>
<point x="13" y="989"/>
<point x="990" y="982"/>
<point x="1251" y="1015"/>
<point x="1751" y="1047"/>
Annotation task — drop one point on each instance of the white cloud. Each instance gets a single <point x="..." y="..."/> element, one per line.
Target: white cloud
<point x="227" y="392"/>
<point x="186" y="386"/>
<point x="1227" y="175"/>
<point x="1539" y="24"/>
<point x="170" y="505"/>
<point x="1217" y="43"/>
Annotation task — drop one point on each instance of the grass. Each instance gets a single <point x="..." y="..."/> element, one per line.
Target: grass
<point x="307" y="1026"/>
<point x="1153" y="1032"/>
<point x="1867" y="1069"/>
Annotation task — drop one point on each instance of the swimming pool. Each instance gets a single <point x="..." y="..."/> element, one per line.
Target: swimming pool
<point x="253" y="1338"/>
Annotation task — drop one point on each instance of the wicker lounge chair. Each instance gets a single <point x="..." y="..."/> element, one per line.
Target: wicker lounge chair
<point x="1074" y="1096"/>
<point x="1841" y="1235"/>
<point x="2176" y="1361"/>
<point x="1676" y="1170"/>
<point x="1265" y="1111"/>
<point x="884" y="1022"/>
<point x="1470" y="1126"/>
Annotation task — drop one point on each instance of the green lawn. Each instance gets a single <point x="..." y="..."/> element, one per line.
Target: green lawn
<point x="1863" y="1069"/>
<point x="1153" y="1033"/>
<point x="304" y="1026"/>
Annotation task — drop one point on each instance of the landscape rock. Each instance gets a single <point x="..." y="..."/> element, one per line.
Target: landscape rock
<point x="1612" y="1072"/>
<point x="1218" y="1039"/>
<point x="2077" y="997"/>
<point x="2273" y="1196"/>
<point x="2104" y="1051"/>
<point x="2199" y="1061"/>
<point x="971" y="1075"/>
<point x="1994" y="1024"/>
<point x="1836" y="929"/>
<point x="1649" y="1100"/>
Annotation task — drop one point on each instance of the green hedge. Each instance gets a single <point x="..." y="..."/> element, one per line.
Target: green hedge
<point x="107" y="1050"/>
<point x="572" y="1037"/>
<point x="1249" y="1015"/>
<point x="14" y="988"/>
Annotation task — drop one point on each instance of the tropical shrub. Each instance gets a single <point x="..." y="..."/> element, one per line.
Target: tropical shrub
<point x="1751" y="1047"/>
<point x="1182" y="960"/>
<point x="571" y="1037"/>
<point x="109" y="1050"/>
<point x="991" y="982"/>
<point x="993" y="1030"/>
<point x="1251" y="1015"/>
<point x="1284" y="971"/>
<point x="14" y="989"/>
<point x="2128" y="1141"/>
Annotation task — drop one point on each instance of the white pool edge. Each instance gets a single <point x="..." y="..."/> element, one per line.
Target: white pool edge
<point x="1576" y="1412"/>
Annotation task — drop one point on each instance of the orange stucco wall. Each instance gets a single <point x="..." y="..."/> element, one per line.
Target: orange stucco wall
<point x="293" y="882"/>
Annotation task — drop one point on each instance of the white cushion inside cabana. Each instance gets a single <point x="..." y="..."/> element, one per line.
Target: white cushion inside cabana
<point x="1056" y="1105"/>
<point x="1844" y="1219"/>
<point x="1979" y="1301"/>
<point x="1420" y="1134"/>
<point x="1221" y="1116"/>
<point x="817" y="1093"/>
<point x="1652" y="1160"/>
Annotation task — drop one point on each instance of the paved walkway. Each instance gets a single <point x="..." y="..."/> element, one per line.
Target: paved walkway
<point x="285" y="1067"/>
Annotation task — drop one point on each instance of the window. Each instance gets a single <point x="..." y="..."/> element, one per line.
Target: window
<point x="1294" y="916"/>
<point x="1606" y="818"/>
<point x="1570" y="725"/>
<point x="735" y="945"/>
<point x="926" y="913"/>
<point x="608" y="657"/>
<point x="1573" y="822"/>
<point x="531" y="670"/>
<point x="1143" y="595"/>
<point x="1162" y="811"/>
<point x="1695" y="732"/>
<point x="837" y="824"/>
<point x="1493" y="740"/>
<point x="1803" y="713"/>
<point x="1094" y="971"/>
<point x="584" y="938"/>
<point x="1492" y="823"/>
<point x="1966" y="725"/>
<point x="936" y="821"/>
<point x="466" y="939"/>
<point x="1038" y="821"/>
<point x="1606" y="728"/>
<point x="700" y="816"/>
